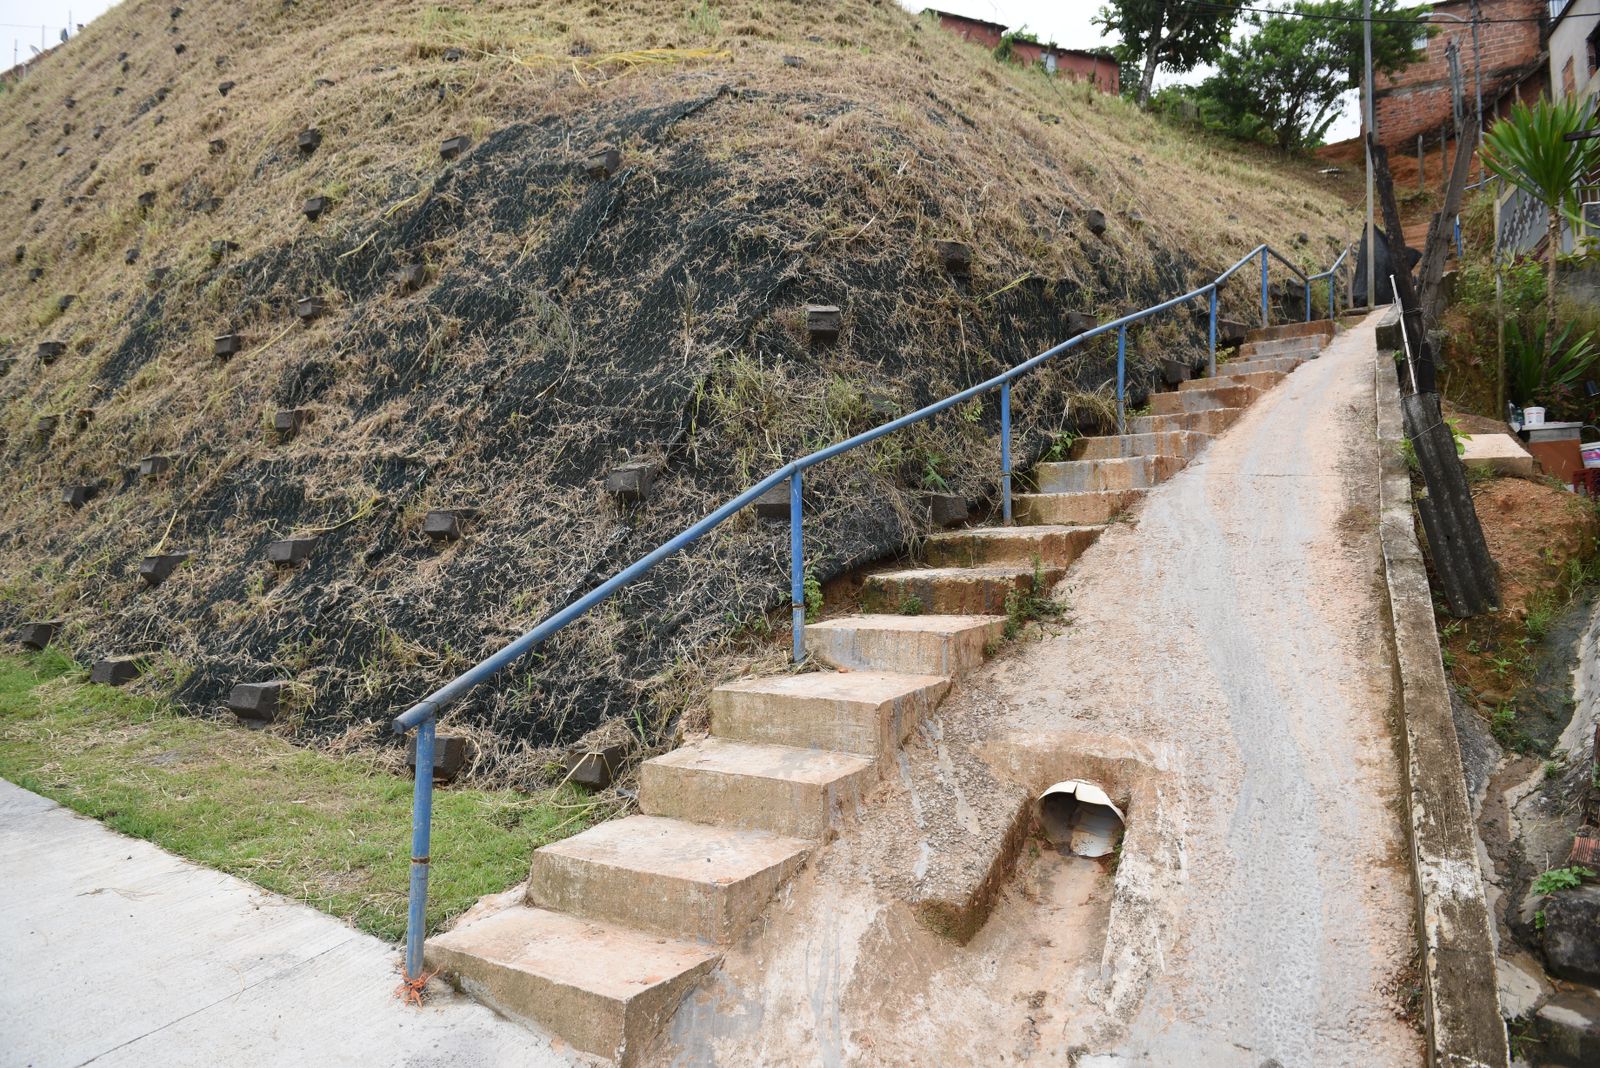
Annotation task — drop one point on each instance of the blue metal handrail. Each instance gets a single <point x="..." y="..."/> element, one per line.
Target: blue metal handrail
<point x="424" y="714"/>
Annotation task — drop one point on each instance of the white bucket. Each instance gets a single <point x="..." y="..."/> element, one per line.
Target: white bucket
<point x="1532" y="417"/>
<point x="1591" y="453"/>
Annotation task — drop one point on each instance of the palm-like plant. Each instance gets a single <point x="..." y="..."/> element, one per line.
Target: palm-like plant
<point x="1530" y="150"/>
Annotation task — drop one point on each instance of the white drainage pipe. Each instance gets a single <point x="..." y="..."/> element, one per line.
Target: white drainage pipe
<point x="1078" y="817"/>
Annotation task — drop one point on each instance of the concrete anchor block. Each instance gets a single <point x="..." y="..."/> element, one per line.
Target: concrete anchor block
<point x="309" y="308"/>
<point x="35" y="273"/>
<point x="130" y="257"/>
<point x="955" y="256"/>
<point x="313" y="208"/>
<point x="227" y="345"/>
<point x="1080" y="323"/>
<point x="158" y="277"/>
<point x="449" y="756"/>
<point x="1231" y="333"/>
<point x="1175" y="372"/>
<point x="603" y="164"/>
<point x="82" y="418"/>
<point x="413" y="277"/>
<point x="147" y="169"/>
<point x="20" y="254"/>
<point x="631" y="483"/>
<point x="154" y="570"/>
<point x="51" y="351"/>
<point x="443" y="525"/>
<point x="179" y="49"/>
<point x="154" y="466"/>
<point x="1095" y="220"/>
<point x="596" y="769"/>
<point x="65" y="301"/>
<point x="217" y="146"/>
<point x="774" y="504"/>
<point x="451" y="147"/>
<point x="38" y="635"/>
<point x="75" y="497"/>
<point x="221" y="247"/>
<point x="290" y="552"/>
<point x="147" y="200"/>
<point x="288" y="421"/>
<point x="945" y="509"/>
<point x="823" y="322"/>
<point x="115" y="670"/>
<point x="45" y="426"/>
<point x="258" y="703"/>
<point x="226" y="87"/>
<point x="308" y="141"/>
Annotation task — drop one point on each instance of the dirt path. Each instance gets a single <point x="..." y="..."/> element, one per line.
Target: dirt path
<point x="1227" y="670"/>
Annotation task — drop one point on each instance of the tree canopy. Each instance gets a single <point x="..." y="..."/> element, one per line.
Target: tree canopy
<point x="1175" y="35"/>
<point x="1283" y="81"/>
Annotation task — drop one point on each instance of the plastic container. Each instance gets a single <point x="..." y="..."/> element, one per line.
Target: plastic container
<point x="1591" y="454"/>
<point x="1532" y="417"/>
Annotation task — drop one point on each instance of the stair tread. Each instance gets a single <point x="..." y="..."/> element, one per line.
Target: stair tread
<point x="929" y="624"/>
<point x="1086" y="493"/>
<point x="785" y="763"/>
<point x="678" y="849"/>
<point x="600" y="958"/>
<point x="875" y="687"/>
<point x="1042" y="530"/>
<point x="1000" y="571"/>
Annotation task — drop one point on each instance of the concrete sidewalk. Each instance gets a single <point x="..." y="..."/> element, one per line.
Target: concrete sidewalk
<point x="118" y="953"/>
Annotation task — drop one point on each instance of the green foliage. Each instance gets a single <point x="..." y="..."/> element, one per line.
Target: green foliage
<point x="1036" y="604"/>
<point x="1157" y="34"/>
<point x="911" y="606"/>
<point x="1529" y="149"/>
<point x="813" y="594"/>
<point x="704" y="19"/>
<point x="1543" y="370"/>
<point x="1561" y="879"/>
<point x="1285" y="82"/>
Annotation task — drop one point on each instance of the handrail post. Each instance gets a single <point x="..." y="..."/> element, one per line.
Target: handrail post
<point x="1266" y="314"/>
<point x="1212" y="365"/>
<point x="797" y="567"/>
<point x="1458" y="237"/>
<point x="1122" y="378"/>
<point x="1307" y="284"/>
<point x="421" y="832"/>
<point x="1333" y="296"/>
<point x="1005" y="450"/>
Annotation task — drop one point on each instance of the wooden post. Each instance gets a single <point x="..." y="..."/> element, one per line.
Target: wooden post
<point x="1455" y="538"/>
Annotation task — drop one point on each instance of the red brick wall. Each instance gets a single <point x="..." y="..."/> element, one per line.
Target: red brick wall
<point x="1077" y="66"/>
<point x="978" y="32"/>
<point x="1418" y="99"/>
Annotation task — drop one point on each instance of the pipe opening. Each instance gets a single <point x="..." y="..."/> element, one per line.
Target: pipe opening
<point x="1078" y="818"/>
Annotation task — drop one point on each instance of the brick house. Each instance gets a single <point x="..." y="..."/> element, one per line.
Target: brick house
<point x="1513" y="62"/>
<point x="1574" y="48"/>
<point x="1072" y="63"/>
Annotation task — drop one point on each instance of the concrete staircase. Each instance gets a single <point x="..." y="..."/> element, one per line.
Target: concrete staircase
<point x="619" y="922"/>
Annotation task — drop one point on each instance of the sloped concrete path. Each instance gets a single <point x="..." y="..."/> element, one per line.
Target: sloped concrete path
<point x="1243" y="623"/>
<point x="118" y="953"/>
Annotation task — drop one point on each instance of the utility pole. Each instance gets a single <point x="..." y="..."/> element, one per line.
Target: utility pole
<point x="1477" y="67"/>
<point x="1372" y="233"/>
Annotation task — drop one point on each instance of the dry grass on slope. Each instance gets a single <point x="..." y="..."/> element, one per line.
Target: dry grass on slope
<point x="773" y="154"/>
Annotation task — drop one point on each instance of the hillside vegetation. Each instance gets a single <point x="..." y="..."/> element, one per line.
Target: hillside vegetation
<point x="772" y="154"/>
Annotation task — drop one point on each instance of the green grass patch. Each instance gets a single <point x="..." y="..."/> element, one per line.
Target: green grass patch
<point x="331" y="831"/>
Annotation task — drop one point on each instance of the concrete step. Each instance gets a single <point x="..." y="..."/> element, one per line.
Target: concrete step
<point x="1295" y="346"/>
<point x="863" y="712"/>
<point x="980" y="591"/>
<point x="1212" y="422"/>
<point x="1182" y="444"/>
<point x="1202" y="400"/>
<point x="1263" y="364"/>
<point x="605" y="989"/>
<point x="1316" y="327"/>
<point x="1087" y="476"/>
<point x="1228" y="376"/>
<point x="776" y="788"/>
<point x="913" y="645"/>
<point x="678" y="879"/>
<point x="1073" y="507"/>
<point x="1053" y="546"/>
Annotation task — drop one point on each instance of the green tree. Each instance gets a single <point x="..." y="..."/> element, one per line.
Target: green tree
<point x="1286" y="79"/>
<point x="1175" y="35"/>
<point x="1529" y="149"/>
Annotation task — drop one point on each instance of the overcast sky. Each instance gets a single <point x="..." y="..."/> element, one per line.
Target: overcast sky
<point x="1067" y="23"/>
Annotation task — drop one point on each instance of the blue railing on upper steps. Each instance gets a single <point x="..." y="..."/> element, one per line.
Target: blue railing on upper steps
<point x="424" y="714"/>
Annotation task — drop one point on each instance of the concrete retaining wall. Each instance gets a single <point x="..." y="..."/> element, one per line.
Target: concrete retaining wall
<point x="1457" y="953"/>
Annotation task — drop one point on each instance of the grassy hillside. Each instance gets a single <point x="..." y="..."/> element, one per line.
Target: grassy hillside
<point x="773" y="154"/>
